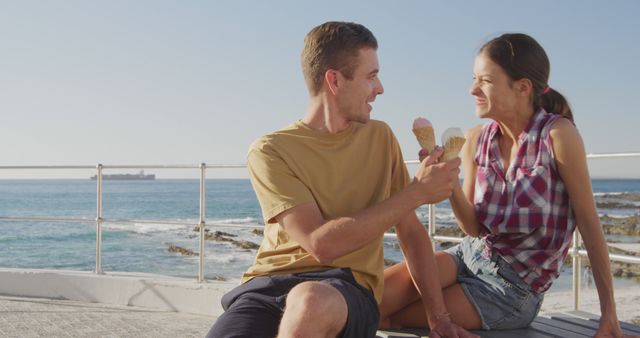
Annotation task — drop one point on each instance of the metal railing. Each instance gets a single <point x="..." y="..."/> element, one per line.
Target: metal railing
<point x="575" y="251"/>
<point x="100" y="220"/>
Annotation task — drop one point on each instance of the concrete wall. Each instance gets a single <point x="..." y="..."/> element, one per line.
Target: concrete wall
<point x="134" y="289"/>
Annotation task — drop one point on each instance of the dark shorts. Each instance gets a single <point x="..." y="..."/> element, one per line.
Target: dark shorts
<point x="503" y="300"/>
<point x="254" y="309"/>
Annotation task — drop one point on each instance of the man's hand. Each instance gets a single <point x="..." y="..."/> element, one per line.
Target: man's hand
<point x="436" y="180"/>
<point x="447" y="329"/>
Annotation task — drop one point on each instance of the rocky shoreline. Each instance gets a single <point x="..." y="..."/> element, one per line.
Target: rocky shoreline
<point x="627" y="226"/>
<point x="624" y="226"/>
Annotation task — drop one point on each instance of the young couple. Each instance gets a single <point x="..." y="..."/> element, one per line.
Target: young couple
<point x="330" y="184"/>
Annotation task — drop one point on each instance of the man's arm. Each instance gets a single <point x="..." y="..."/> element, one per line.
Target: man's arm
<point x="416" y="247"/>
<point x="421" y="262"/>
<point x="327" y="240"/>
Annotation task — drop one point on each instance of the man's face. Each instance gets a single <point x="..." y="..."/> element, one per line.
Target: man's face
<point x="355" y="95"/>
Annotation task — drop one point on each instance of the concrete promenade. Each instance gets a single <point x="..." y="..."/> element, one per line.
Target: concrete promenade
<point x="36" y="317"/>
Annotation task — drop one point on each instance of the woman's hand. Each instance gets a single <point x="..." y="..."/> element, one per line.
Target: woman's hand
<point x="446" y="328"/>
<point x="423" y="153"/>
<point x="611" y="331"/>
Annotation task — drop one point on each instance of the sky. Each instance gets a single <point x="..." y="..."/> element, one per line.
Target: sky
<point x="185" y="82"/>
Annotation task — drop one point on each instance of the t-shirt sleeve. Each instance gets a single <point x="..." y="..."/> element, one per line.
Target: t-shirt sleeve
<point x="400" y="175"/>
<point x="276" y="185"/>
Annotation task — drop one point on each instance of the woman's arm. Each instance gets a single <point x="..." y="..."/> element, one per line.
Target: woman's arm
<point x="462" y="198"/>
<point x="571" y="162"/>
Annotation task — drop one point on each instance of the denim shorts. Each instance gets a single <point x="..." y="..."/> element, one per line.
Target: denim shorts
<point x="503" y="300"/>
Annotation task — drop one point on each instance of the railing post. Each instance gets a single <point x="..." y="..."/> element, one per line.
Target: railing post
<point x="576" y="265"/>
<point x="432" y="224"/>
<point x="99" y="220"/>
<point x="203" y="168"/>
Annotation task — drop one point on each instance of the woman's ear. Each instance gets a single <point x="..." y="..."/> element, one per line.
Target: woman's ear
<point x="524" y="87"/>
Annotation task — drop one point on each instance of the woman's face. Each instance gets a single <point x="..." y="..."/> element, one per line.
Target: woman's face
<point x="493" y="89"/>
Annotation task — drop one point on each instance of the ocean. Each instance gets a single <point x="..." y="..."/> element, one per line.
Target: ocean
<point x="144" y="247"/>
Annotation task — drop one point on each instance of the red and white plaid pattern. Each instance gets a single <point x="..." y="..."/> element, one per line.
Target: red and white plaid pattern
<point x="525" y="209"/>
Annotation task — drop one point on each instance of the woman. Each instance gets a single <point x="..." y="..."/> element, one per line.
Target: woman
<point x="526" y="187"/>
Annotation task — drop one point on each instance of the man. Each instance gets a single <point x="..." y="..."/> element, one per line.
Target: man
<point x="329" y="186"/>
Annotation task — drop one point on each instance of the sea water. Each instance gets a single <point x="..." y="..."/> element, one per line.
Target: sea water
<point x="143" y="247"/>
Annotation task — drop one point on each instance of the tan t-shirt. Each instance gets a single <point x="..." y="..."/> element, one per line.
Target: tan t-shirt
<point x="343" y="173"/>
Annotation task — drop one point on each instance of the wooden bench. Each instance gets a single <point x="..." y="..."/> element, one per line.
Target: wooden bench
<point x="566" y="325"/>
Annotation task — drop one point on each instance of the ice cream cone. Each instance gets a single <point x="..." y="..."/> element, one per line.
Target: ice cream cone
<point x="425" y="135"/>
<point x="426" y="138"/>
<point x="452" y="140"/>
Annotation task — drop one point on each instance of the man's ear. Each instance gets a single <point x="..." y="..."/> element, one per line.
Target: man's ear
<point x="331" y="80"/>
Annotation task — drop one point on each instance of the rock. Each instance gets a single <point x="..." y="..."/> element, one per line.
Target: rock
<point x="197" y="228"/>
<point x="614" y="205"/>
<point x="246" y="245"/>
<point x="628" y="226"/>
<point x="181" y="250"/>
<point x="629" y="196"/>
<point x="221" y="233"/>
<point x="450" y="231"/>
<point x="258" y="232"/>
<point x="219" y="236"/>
<point x="389" y="262"/>
<point x="217" y="278"/>
<point x="446" y="245"/>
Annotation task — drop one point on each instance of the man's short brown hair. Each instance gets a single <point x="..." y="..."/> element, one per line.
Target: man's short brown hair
<point x="333" y="45"/>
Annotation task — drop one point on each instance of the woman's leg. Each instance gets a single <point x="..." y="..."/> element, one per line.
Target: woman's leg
<point x="462" y="311"/>
<point x="400" y="292"/>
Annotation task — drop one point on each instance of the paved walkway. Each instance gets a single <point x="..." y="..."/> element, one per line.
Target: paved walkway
<point x="35" y="317"/>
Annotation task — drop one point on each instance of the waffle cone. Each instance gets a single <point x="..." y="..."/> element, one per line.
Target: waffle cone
<point x="452" y="148"/>
<point x="426" y="138"/>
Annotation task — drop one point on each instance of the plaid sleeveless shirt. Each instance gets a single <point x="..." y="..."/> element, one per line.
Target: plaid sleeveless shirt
<point x="525" y="209"/>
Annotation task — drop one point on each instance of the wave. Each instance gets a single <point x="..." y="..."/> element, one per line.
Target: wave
<point x="147" y="228"/>
<point x="53" y="237"/>
<point x="236" y="221"/>
<point x="630" y="196"/>
<point x="600" y="194"/>
<point x="223" y="258"/>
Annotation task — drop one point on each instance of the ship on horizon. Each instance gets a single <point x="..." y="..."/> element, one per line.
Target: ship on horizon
<point x="139" y="176"/>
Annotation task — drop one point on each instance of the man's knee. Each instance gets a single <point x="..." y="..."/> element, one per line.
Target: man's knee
<point x="317" y="297"/>
<point x="314" y="308"/>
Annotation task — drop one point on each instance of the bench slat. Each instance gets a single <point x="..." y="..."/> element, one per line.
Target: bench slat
<point x="627" y="327"/>
<point x="562" y="325"/>
<point x="579" y="329"/>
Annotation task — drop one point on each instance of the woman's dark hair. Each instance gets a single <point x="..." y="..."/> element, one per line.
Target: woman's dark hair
<point x="521" y="56"/>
